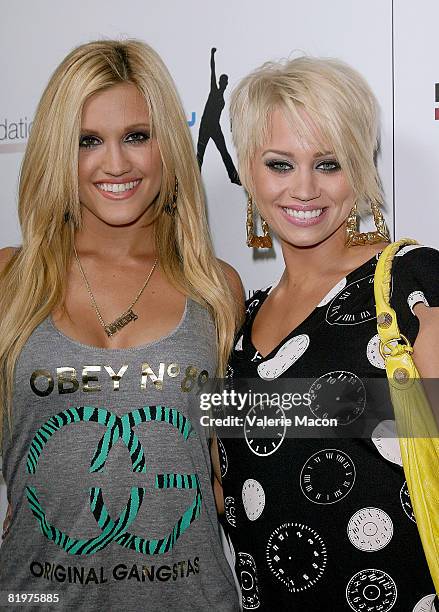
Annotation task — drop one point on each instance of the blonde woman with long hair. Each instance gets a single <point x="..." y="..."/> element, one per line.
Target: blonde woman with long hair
<point x="323" y="524"/>
<point x="113" y="312"/>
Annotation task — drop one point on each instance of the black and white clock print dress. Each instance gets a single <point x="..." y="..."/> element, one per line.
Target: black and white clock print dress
<point x="326" y="524"/>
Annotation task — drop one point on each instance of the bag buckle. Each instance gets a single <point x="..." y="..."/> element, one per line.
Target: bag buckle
<point x="393" y="347"/>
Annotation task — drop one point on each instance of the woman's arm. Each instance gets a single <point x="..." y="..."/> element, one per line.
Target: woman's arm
<point x="6" y="254"/>
<point x="426" y="347"/>
<point x="235" y="284"/>
<point x="426" y="353"/>
<point x="7" y="521"/>
<point x="216" y="479"/>
<point x="237" y="289"/>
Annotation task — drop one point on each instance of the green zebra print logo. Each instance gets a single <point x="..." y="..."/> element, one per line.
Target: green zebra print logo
<point x="116" y="530"/>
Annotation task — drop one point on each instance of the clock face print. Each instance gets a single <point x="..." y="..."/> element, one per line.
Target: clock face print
<point x="331" y="294"/>
<point x="339" y="395"/>
<point x="414" y="298"/>
<point x="373" y="353"/>
<point x="253" y="498"/>
<point x="371" y="590"/>
<point x="385" y="439"/>
<point x="238" y="345"/>
<point x="228" y="381"/>
<point x="297" y="556"/>
<point x="425" y="604"/>
<point x="327" y="476"/>
<point x="344" y="309"/>
<point x="224" y="464"/>
<point x="263" y="439"/>
<point x="288" y="354"/>
<point x="370" y="529"/>
<point x="406" y="503"/>
<point x="230" y="510"/>
<point x="407" y="248"/>
<point x="246" y="570"/>
<point x="252" y="306"/>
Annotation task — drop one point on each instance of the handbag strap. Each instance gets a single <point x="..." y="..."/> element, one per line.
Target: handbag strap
<point x="386" y="316"/>
<point x="394" y="347"/>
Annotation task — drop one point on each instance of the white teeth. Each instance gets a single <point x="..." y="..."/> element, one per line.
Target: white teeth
<point x="117" y="187"/>
<point x="303" y="214"/>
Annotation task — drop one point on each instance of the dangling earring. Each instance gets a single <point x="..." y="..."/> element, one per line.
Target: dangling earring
<point x="258" y="242"/>
<point x="354" y="237"/>
<point x="171" y="206"/>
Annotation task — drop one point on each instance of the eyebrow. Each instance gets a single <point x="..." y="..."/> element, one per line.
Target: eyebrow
<point x="128" y="128"/>
<point x="289" y="154"/>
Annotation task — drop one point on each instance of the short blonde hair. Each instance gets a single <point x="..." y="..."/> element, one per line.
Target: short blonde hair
<point x="340" y="105"/>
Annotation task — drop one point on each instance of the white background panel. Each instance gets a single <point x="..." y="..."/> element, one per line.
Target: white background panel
<point x="416" y="131"/>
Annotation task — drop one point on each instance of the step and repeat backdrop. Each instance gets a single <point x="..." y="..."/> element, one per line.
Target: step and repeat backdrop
<point x="392" y="43"/>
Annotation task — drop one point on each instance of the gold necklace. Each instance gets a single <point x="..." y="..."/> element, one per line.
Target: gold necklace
<point x="128" y="315"/>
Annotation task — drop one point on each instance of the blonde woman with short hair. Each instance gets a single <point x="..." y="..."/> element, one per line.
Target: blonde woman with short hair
<point x="113" y="312"/>
<point x="320" y="523"/>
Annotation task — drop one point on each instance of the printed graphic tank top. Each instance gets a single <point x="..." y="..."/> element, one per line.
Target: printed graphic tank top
<point x="108" y="473"/>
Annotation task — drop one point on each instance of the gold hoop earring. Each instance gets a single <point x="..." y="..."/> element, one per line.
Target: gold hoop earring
<point x="355" y="238"/>
<point x="171" y="206"/>
<point x="257" y="242"/>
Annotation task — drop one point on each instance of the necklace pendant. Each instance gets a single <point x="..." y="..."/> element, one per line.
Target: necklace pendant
<point x="119" y="323"/>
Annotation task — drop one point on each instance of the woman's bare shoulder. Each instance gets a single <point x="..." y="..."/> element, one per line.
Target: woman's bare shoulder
<point x="6" y="254"/>
<point x="232" y="277"/>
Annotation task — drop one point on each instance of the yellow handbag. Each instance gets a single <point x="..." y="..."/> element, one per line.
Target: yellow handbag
<point x="415" y="424"/>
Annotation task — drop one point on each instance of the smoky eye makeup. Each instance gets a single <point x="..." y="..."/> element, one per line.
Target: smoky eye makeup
<point x="88" y="141"/>
<point x="282" y="165"/>
<point x="328" y="165"/>
<point x="278" y="165"/>
<point x="138" y="137"/>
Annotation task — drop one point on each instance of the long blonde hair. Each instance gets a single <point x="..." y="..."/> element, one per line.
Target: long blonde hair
<point x="341" y="111"/>
<point x="33" y="283"/>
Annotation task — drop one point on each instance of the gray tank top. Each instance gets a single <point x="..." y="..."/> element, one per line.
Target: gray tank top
<point x="108" y="472"/>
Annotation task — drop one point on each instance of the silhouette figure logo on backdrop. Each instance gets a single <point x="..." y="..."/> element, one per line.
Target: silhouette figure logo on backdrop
<point x="210" y="127"/>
